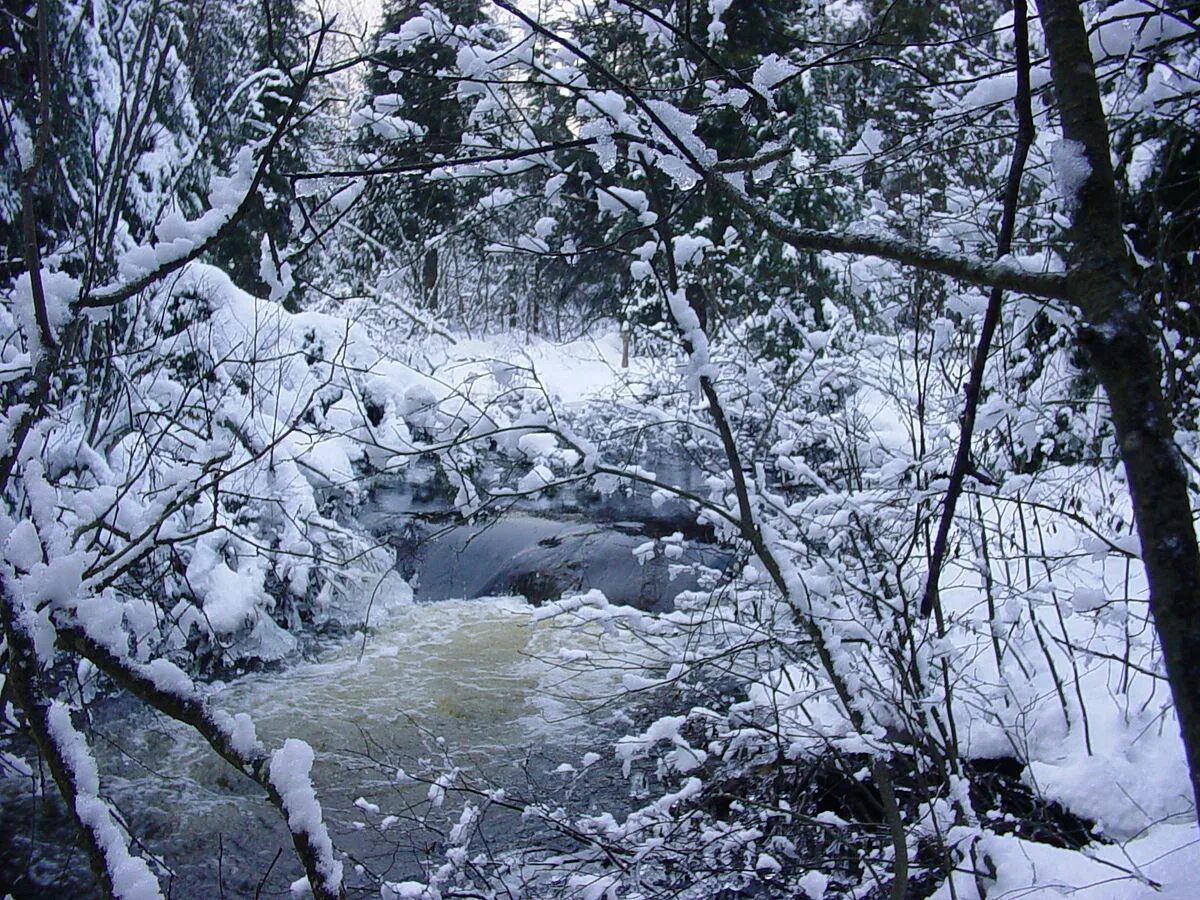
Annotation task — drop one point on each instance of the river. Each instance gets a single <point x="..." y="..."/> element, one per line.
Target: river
<point x="455" y="680"/>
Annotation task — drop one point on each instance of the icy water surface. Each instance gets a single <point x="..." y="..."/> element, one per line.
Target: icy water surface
<point x="572" y="542"/>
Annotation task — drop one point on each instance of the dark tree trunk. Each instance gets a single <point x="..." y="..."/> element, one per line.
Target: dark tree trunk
<point x="1116" y="333"/>
<point x="429" y="278"/>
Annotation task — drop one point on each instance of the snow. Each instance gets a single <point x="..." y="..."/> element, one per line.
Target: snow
<point x="231" y="596"/>
<point x="497" y="198"/>
<point x="997" y="90"/>
<point x="592" y="887"/>
<point x="1159" y="864"/>
<point x="61" y="291"/>
<point x="605" y="103"/>
<point x="813" y="884"/>
<point x="410" y="34"/>
<point x="554" y="184"/>
<point x="278" y="279"/>
<point x="289" y="770"/>
<point x="346" y="197"/>
<point x="1134" y="743"/>
<point x="537" y="478"/>
<point x="688" y="791"/>
<point x="168" y="677"/>
<point x="683" y="758"/>
<point x="689" y="249"/>
<point x="767" y="863"/>
<point x="614" y="201"/>
<point x="242" y="736"/>
<point x="571" y="371"/>
<point x="23" y="547"/>
<point x="689" y="326"/>
<point x="437" y="791"/>
<point x="1144" y="162"/>
<point x="678" y="129"/>
<point x="1129" y="25"/>
<point x="406" y="890"/>
<point x="772" y="71"/>
<point x="1071" y="168"/>
<point x="73" y="749"/>
<point x="275" y="402"/>
<point x="716" y="28"/>
<point x="1135" y="774"/>
<point x="131" y="877"/>
<point x="869" y="143"/>
<point x="177" y="236"/>
<point x="461" y="833"/>
<point x="22" y="143"/>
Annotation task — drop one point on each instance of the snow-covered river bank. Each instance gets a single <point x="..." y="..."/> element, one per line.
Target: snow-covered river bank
<point x="448" y="675"/>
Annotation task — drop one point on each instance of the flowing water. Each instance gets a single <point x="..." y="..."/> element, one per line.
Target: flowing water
<point x="459" y="684"/>
<point x="469" y="686"/>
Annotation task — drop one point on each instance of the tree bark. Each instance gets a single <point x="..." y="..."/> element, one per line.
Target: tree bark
<point x="429" y="278"/>
<point x="1116" y="333"/>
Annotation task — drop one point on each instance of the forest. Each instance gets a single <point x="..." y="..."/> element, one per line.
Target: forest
<point x="601" y="449"/>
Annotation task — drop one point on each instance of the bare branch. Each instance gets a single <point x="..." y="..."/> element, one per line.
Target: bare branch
<point x="974" y="390"/>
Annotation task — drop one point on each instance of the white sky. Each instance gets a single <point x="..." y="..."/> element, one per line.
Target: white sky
<point x="353" y="14"/>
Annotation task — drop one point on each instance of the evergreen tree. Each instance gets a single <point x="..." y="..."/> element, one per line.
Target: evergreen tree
<point x="119" y="132"/>
<point x="250" y="39"/>
<point x="413" y="115"/>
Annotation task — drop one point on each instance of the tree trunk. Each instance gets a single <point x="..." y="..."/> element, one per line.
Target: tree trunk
<point x="429" y="278"/>
<point x="1116" y="333"/>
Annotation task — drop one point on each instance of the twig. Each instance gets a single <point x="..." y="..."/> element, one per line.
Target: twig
<point x="962" y="459"/>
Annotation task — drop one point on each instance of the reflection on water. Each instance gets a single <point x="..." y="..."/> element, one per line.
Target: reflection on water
<point x="542" y="558"/>
<point x="571" y="541"/>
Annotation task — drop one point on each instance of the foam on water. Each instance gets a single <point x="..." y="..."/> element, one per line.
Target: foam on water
<point x="469" y="683"/>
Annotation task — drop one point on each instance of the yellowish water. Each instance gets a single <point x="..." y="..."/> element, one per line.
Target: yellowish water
<point x="465" y="683"/>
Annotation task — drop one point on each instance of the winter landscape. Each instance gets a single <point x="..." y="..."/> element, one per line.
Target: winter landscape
<point x="599" y="449"/>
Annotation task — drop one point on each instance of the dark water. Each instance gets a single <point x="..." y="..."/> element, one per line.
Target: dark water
<point x="574" y="541"/>
<point x="465" y="685"/>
